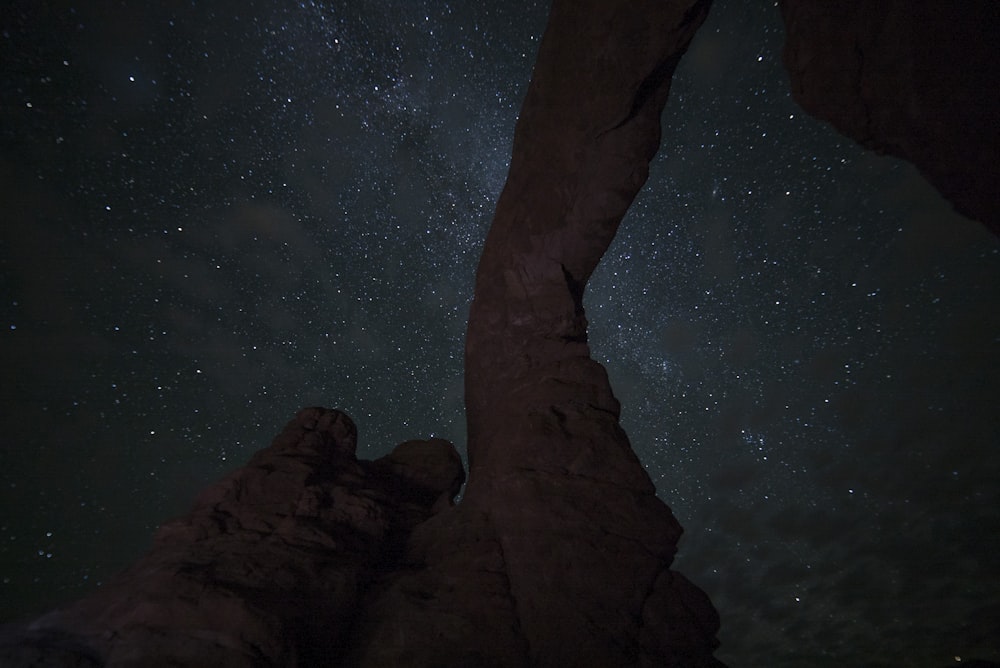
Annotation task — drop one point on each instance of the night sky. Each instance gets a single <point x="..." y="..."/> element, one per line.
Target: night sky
<point x="215" y="213"/>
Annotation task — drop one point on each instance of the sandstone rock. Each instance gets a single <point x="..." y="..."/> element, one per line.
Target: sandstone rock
<point x="559" y="553"/>
<point x="917" y="79"/>
<point x="269" y="566"/>
<point x="432" y="466"/>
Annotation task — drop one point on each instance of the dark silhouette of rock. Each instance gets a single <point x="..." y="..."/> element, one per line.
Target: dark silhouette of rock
<point x="269" y="566"/>
<point x="916" y="79"/>
<point x="559" y="553"/>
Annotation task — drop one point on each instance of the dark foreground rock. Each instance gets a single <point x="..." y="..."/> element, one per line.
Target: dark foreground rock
<point x="918" y="79"/>
<point x="268" y="568"/>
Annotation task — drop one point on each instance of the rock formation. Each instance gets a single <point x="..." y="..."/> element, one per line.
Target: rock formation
<point x="916" y="79"/>
<point x="269" y="566"/>
<point x="559" y="553"/>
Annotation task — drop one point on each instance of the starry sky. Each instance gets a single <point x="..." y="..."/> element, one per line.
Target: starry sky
<point x="215" y="213"/>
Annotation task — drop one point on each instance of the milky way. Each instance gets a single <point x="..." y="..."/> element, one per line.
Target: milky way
<point x="215" y="215"/>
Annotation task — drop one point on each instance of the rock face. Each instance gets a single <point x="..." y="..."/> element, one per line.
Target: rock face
<point x="267" y="569"/>
<point x="559" y="553"/>
<point x="918" y="79"/>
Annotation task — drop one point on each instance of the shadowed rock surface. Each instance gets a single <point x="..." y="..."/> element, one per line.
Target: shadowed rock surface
<point x="268" y="567"/>
<point x="559" y="553"/>
<point x="919" y="80"/>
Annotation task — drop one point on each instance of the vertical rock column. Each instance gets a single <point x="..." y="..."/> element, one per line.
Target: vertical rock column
<point x="559" y="553"/>
<point x="585" y="541"/>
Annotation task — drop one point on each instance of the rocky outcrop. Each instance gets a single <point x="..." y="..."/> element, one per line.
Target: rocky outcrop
<point x="919" y="80"/>
<point x="268" y="568"/>
<point x="559" y="553"/>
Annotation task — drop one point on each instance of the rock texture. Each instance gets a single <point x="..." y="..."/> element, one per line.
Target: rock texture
<point x="918" y="79"/>
<point x="268" y="568"/>
<point x="559" y="553"/>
